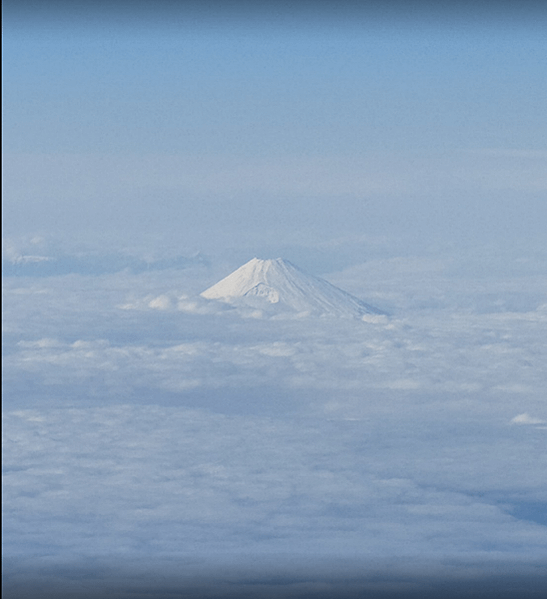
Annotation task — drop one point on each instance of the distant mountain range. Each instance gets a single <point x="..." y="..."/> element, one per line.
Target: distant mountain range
<point x="277" y="286"/>
<point x="91" y="264"/>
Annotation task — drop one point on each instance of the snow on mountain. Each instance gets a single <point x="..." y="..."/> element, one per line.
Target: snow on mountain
<point x="278" y="286"/>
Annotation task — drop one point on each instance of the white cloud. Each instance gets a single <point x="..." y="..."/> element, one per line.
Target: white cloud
<point x="525" y="418"/>
<point x="162" y="302"/>
<point x="175" y="478"/>
<point x="182" y="427"/>
<point x="39" y="343"/>
<point x="375" y="318"/>
<point x="198" y="305"/>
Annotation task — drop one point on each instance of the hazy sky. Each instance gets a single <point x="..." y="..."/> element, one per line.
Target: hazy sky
<point x="263" y="124"/>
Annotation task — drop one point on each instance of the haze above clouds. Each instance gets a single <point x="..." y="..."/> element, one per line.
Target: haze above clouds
<point x="153" y="436"/>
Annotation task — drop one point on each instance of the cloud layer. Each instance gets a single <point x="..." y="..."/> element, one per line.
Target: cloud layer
<point x="143" y="420"/>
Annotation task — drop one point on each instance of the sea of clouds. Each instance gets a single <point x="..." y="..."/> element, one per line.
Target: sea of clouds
<point x="156" y="439"/>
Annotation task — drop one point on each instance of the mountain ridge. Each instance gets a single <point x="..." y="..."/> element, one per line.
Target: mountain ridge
<point x="277" y="285"/>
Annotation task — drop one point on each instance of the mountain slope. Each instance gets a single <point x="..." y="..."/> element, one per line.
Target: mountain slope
<point x="279" y="286"/>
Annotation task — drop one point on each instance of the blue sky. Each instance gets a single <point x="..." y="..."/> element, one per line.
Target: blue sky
<point x="319" y="90"/>
<point x="274" y="124"/>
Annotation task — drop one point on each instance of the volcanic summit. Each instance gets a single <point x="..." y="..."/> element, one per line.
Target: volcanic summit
<point x="280" y="286"/>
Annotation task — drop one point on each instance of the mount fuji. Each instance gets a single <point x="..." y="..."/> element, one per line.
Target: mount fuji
<point x="278" y="287"/>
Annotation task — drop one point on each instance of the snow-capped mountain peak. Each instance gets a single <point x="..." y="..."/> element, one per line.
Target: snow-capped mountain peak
<point x="279" y="286"/>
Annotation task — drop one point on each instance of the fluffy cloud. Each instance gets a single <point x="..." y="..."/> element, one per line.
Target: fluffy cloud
<point x="154" y="478"/>
<point x="525" y="418"/>
<point x="179" y="427"/>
